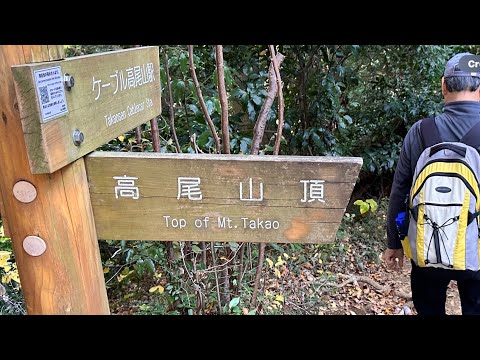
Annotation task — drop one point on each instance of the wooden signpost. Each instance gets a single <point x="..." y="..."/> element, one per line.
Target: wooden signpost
<point x="219" y="197"/>
<point x="59" y="202"/>
<point x="49" y="217"/>
<point x="71" y="107"/>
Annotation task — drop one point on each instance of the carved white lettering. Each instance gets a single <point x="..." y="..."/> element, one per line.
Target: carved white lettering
<point x="112" y="119"/>
<point x="225" y="222"/>
<point x="174" y="222"/>
<point x="135" y="108"/>
<point x="199" y="223"/>
<point x="258" y="224"/>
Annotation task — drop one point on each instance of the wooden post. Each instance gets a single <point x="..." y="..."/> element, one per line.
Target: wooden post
<point x="64" y="273"/>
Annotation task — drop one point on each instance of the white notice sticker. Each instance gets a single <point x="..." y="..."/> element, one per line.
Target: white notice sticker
<point x="51" y="93"/>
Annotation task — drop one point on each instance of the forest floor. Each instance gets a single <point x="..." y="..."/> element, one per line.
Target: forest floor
<point x="346" y="277"/>
<point x="353" y="281"/>
<point x="379" y="291"/>
<point x="350" y="282"/>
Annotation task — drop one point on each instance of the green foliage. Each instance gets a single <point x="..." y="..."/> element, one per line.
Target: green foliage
<point x="11" y="298"/>
<point x="365" y="206"/>
<point x="340" y="100"/>
<point x="344" y="100"/>
<point x="233" y="306"/>
<point x="78" y="50"/>
<point x="367" y="230"/>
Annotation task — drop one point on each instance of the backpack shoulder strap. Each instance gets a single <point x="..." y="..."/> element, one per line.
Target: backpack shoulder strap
<point x="429" y="132"/>
<point x="472" y="137"/>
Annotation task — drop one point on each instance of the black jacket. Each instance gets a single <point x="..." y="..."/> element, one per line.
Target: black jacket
<point x="456" y="120"/>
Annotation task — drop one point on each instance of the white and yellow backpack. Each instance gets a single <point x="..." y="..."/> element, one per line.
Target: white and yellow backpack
<point x="444" y="202"/>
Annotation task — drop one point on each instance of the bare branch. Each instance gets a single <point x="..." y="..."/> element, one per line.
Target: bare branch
<point x="200" y="98"/>
<point x="259" y="129"/>
<point x="138" y="136"/>
<point x="216" y="278"/>
<point x="204" y="254"/>
<point x="222" y="94"/>
<point x="169" y="245"/>
<point x="241" y="266"/>
<point x="170" y="104"/>
<point x="280" y="99"/>
<point x="155" y="135"/>
<point x="382" y="289"/>
<point x="261" y="254"/>
<point x="225" y="283"/>
<point x="221" y="266"/>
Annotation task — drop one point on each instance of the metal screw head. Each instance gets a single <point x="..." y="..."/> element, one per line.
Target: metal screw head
<point x="69" y="81"/>
<point x="78" y="137"/>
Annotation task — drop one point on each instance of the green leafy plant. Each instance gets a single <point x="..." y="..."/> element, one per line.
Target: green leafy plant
<point x="340" y="100"/>
<point x="367" y="205"/>
<point x="11" y="298"/>
<point x="367" y="230"/>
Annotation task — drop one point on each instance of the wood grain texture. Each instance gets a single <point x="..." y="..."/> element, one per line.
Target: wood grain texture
<point x="123" y="218"/>
<point x="68" y="277"/>
<point x="91" y="105"/>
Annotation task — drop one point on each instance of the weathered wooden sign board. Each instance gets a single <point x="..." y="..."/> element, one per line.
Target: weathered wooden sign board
<point x="64" y="119"/>
<point x="182" y="197"/>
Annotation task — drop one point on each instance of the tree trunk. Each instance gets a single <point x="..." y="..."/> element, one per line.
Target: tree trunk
<point x="138" y="137"/>
<point x="259" y="129"/>
<point x="155" y="135"/>
<point x="170" y="105"/>
<point x="261" y="251"/>
<point x="222" y="94"/>
<point x="276" y="66"/>
<point x="202" y="102"/>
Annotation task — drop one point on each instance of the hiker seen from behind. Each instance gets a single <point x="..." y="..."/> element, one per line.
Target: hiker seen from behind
<point x="434" y="206"/>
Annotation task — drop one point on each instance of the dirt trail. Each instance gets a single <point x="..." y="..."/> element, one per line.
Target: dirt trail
<point x="357" y="299"/>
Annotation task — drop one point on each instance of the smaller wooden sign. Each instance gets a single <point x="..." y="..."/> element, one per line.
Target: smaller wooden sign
<point x="182" y="197"/>
<point x="71" y="107"/>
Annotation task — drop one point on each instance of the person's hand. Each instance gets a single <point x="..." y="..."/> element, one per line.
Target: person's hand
<point x="393" y="258"/>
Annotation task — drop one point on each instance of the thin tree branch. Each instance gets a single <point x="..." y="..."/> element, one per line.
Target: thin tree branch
<point x="258" y="274"/>
<point x="225" y="280"/>
<point x="216" y="278"/>
<point x="169" y="245"/>
<point x="222" y="94"/>
<point x="280" y="99"/>
<point x="138" y="136"/>
<point x="259" y="129"/>
<point x="197" y="288"/>
<point x="275" y="64"/>
<point x="250" y="257"/>
<point x="155" y="134"/>
<point x="222" y="266"/>
<point x="382" y="289"/>
<point x="240" y="267"/>
<point x="200" y="98"/>
<point x="170" y="104"/>
<point x="204" y="254"/>
<point x="199" y="293"/>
